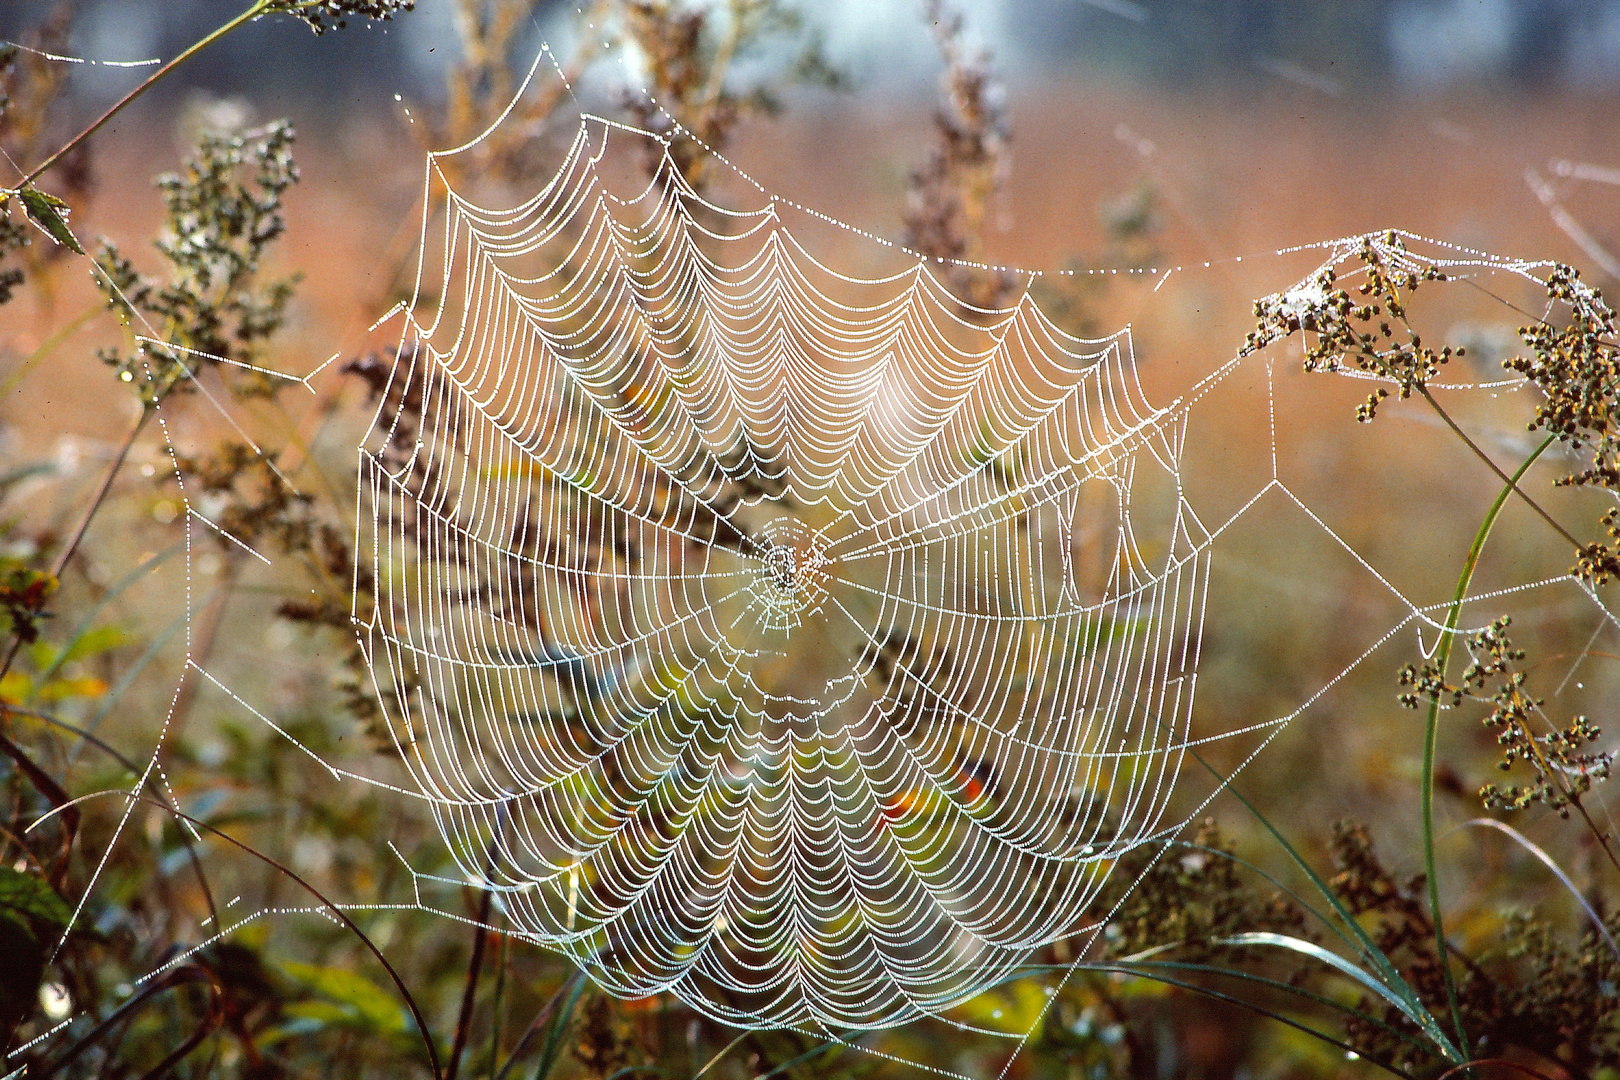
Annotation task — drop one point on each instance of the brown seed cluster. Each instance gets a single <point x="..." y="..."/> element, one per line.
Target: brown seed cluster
<point x="1576" y="366"/>
<point x="1372" y="334"/>
<point x="1562" y="767"/>
<point x="324" y="15"/>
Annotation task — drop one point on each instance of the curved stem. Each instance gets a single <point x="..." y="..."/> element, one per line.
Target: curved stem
<point x="1500" y="1062"/>
<point x="107" y="748"/>
<point x="1233" y="999"/>
<point x="1432" y="723"/>
<point x="337" y="912"/>
<point x="181" y="976"/>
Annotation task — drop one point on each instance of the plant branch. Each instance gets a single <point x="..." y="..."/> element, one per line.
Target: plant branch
<point x="90" y="511"/>
<point x="152" y="785"/>
<point x="254" y="11"/>
<point x="1512" y="482"/>
<point x="1209" y="992"/>
<point x="181" y="976"/>
<point x="337" y="913"/>
<point x="47" y="786"/>
<point x="469" y="992"/>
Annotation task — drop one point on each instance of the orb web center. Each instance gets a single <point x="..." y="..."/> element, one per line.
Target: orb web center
<point x="792" y="576"/>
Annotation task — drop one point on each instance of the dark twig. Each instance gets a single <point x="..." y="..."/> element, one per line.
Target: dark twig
<point x="470" y="991"/>
<point x="1497" y="469"/>
<point x="112" y="752"/>
<point x="337" y="913"/>
<point x="47" y="786"/>
<point x="72" y="545"/>
<point x="181" y="976"/>
<point x="42" y="781"/>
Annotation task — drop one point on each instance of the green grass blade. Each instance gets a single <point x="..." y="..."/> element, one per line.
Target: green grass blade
<point x="1315" y="952"/>
<point x="801" y="1059"/>
<point x="1530" y="846"/>
<point x="1367" y="948"/>
<point x="1288" y="988"/>
<point x="1252" y="1007"/>
<point x="557" y="1028"/>
<point x="1332" y="926"/>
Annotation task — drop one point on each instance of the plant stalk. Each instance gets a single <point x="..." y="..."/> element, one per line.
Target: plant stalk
<point x="254" y="11"/>
<point x="469" y="992"/>
<point x="1432" y="723"/>
<point x="1512" y="482"/>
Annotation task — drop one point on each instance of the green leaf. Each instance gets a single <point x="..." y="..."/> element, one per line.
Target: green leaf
<point x="94" y="642"/>
<point x="30" y="897"/>
<point x="47" y="211"/>
<point x="368" y="1005"/>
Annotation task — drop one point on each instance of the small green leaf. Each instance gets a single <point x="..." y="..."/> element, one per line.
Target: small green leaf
<point x="30" y="897"/>
<point x="48" y="213"/>
<point x="362" y="1003"/>
<point x="94" y="642"/>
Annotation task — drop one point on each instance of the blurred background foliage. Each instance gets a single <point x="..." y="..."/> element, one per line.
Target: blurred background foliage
<point x="1121" y="134"/>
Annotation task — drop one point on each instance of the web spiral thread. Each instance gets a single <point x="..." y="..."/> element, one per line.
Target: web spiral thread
<point x="804" y="645"/>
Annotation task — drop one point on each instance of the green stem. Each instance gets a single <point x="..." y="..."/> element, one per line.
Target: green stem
<point x="257" y="8"/>
<point x="1432" y="725"/>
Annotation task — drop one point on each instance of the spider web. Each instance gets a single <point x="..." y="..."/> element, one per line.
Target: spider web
<point x="806" y="645"/>
<point x="731" y="611"/>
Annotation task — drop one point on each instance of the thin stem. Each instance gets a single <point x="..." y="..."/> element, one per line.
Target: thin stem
<point x="1603" y="841"/>
<point x="107" y="748"/>
<point x="503" y="962"/>
<point x="470" y="990"/>
<point x="1432" y="722"/>
<point x="43" y="782"/>
<point x="1511" y="481"/>
<point x="182" y="976"/>
<point x="1232" y="999"/>
<point x="337" y="912"/>
<point x="254" y="11"/>
<point x="1502" y="1062"/>
<point x="1546" y="769"/>
<point x="84" y="524"/>
<point x="570" y="990"/>
<point x="46" y="785"/>
<point x="247" y="17"/>
<point x="1512" y="485"/>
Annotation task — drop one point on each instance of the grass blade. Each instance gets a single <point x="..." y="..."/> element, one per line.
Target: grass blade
<point x="557" y="1030"/>
<point x="1369" y="950"/>
<point x="1530" y="846"/>
<point x="1315" y="952"/>
<point x="1431" y="724"/>
<point x="1251" y="1006"/>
